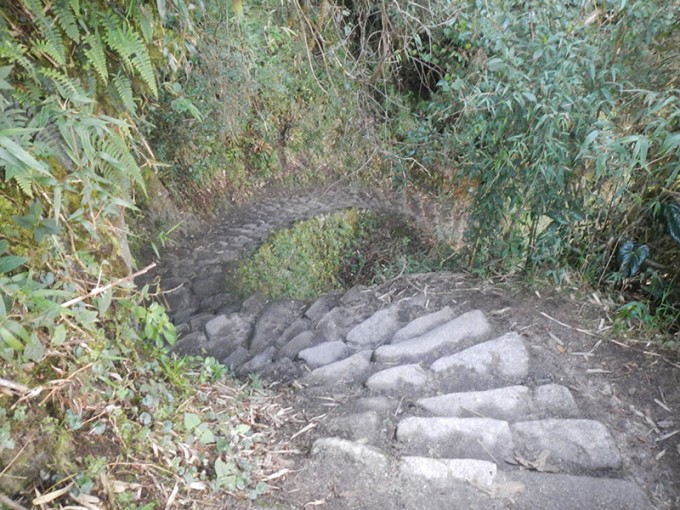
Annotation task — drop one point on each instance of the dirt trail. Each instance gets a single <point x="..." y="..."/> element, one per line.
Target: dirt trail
<point x="432" y="389"/>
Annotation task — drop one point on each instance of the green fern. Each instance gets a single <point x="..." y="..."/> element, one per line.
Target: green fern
<point x="120" y="164"/>
<point x="124" y="89"/>
<point x="116" y="40"/>
<point x="96" y="56"/>
<point x="131" y="50"/>
<point x="68" y="87"/>
<point x="53" y="42"/>
<point x="67" y="20"/>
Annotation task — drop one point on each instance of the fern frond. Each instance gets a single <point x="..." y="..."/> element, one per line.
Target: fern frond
<point x="96" y="56"/>
<point x="46" y="28"/>
<point x="75" y="6"/>
<point x="131" y="50"/>
<point x="144" y="21"/>
<point x="24" y="183"/>
<point x="116" y="39"/>
<point x="45" y="47"/>
<point x="67" y="20"/>
<point x="142" y="62"/>
<point x="68" y="87"/>
<point x="15" y="53"/>
<point x="117" y="156"/>
<point x="124" y="88"/>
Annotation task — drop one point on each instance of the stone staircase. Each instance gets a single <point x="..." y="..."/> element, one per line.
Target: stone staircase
<point x="416" y="399"/>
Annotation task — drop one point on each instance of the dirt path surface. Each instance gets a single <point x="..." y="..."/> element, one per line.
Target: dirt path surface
<point x="431" y="391"/>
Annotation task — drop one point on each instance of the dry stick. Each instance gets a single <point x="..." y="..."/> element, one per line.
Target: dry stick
<point x="584" y="331"/>
<point x="4" y="500"/>
<point x="99" y="290"/>
<point x="14" y="386"/>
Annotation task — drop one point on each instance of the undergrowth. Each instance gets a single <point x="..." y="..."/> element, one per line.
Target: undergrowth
<point x="335" y="251"/>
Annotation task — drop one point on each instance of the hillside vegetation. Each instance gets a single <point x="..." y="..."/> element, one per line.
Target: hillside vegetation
<point x="558" y="122"/>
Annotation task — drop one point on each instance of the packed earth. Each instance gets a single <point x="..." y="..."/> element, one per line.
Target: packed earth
<point x="432" y="390"/>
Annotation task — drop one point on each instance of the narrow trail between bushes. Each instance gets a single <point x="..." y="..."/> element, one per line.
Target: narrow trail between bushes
<point x="430" y="391"/>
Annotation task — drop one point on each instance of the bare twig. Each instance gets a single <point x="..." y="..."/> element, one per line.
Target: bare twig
<point x="20" y="388"/>
<point x="4" y="500"/>
<point x="98" y="290"/>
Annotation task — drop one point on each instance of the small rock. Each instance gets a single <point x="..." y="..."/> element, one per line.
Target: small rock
<point x="296" y="327"/>
<point x="357" y="426"/>
<point x="323" y="354"/>
<point x="335" y="324"/>
<point x="295" y="345"/>
<point x="556" y="400"/>
<point x="321" y="306"/>
<point x="229" y="331"/>
<point x="275" y="318"/>
<point x="239" y="356"/>
<point x="397" y="378"/>
<point x="257" y="362"/>
<point x="508" y="403"/>
<point x="191" y="344"/>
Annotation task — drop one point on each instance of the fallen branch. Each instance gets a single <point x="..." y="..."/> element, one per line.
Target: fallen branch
<point x="20" y="388"/>
<point x="4" y="500"/>
<point x="99" y="290"/>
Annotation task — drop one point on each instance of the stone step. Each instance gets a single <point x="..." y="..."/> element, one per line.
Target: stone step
<point x="443" y="339"/>
<point x="571" y="445"/>
<point x="525" y="489"/>
<point x="511" y="403"/>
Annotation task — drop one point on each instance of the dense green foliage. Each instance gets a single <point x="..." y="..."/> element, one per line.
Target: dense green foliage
<point x="91" y="404"/>
<point x="270" y="111"/>
<point x="335" y="251"/>
<point x="562" y="117"/>
<point x="557" y="121"/>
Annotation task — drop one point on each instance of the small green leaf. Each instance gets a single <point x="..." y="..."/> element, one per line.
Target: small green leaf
<point x="104" y="301"/>
<point x="631" y="258"/>
<point x="59" y="335"/>
<point x="191" y="421"/>
<point x="10" y="263"/>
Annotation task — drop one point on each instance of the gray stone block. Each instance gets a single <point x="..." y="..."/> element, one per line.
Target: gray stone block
<point x="443" y="338"/>
<point x="295" y="345"/>
<point x="477" y="438"/>
<point x="324" y="354"/>
<point x="422" y="325"/>
<point x="396" y="379"/>
<point x="573" y="444"/>
<point x="352" y="369"/>
<point x="478" y="473"/>
<point x="505" y="357"/>
<point x="358" y="453"/>
<point x="375" y="330"/>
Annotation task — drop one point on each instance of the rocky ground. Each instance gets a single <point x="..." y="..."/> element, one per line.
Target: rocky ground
<point x="433" y="390"/>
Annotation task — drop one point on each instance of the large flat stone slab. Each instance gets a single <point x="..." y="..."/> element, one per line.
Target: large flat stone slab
<point x="504" y="358"/>
<point x="567" y="492"/>
<point x="397" y="379"/>
<point x="422" y="325"/>
<point x="352" y="369"/>
<point x="478" y="473"/>
<point x="443" y="338"/>
<point x="574" y="445"/>
<point x="358" y="453"/>
<point x="324" y="354"/>
<point x="476" y="438"/>
<point x="375" y="330"/>
<point x="511" y="403"/>
<point x="229" y="331"/>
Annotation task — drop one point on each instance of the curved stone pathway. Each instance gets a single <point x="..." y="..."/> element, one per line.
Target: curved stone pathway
<point x="417" y="399"/>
